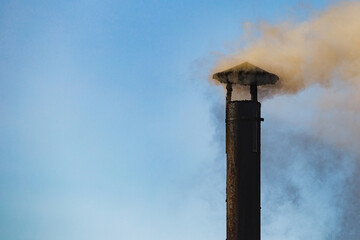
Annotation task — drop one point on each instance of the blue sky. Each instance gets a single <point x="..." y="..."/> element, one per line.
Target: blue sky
<point x="109" y="128"/>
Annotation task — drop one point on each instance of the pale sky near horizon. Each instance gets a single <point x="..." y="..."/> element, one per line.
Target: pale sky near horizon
<point x="109" y="128"/>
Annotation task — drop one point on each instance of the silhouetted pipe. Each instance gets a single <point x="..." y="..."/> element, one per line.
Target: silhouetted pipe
<point x="243" y="151"/>
<point x="243" y="169"/>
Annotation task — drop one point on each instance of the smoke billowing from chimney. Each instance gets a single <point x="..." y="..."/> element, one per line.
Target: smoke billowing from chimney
<point x="323" y="53"/>
<point x="303" y="54"/>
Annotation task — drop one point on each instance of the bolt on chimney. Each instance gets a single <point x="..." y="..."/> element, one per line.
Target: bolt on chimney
<point x="243" y="151"/>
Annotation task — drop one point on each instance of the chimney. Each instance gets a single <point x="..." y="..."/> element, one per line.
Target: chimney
<point x="243" y="152"/>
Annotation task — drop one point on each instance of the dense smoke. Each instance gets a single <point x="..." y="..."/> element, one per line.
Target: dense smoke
<point x="303" y="54"/>
<point x="322" y="53"/>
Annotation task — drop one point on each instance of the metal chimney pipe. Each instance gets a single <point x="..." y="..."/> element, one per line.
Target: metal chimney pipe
<point x="243" y="152"/>
<point x="243" y="170"/>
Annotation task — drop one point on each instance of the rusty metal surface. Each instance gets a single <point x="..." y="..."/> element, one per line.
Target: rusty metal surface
<point x="246" y="74"/>
<point x="243" y="170"/>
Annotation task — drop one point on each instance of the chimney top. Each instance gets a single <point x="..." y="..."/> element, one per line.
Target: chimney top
<point x="246" y="74"/>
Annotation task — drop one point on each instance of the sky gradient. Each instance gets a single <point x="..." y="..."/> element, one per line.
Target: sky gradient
<point x="110" y="129"/>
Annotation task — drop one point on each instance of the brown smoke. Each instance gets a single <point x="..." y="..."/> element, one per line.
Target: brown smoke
<point x="303" y="54"/>
<point x="324" y="51"/>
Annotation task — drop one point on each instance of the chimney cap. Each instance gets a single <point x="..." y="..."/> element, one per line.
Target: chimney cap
<point x="246" y="74"/>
